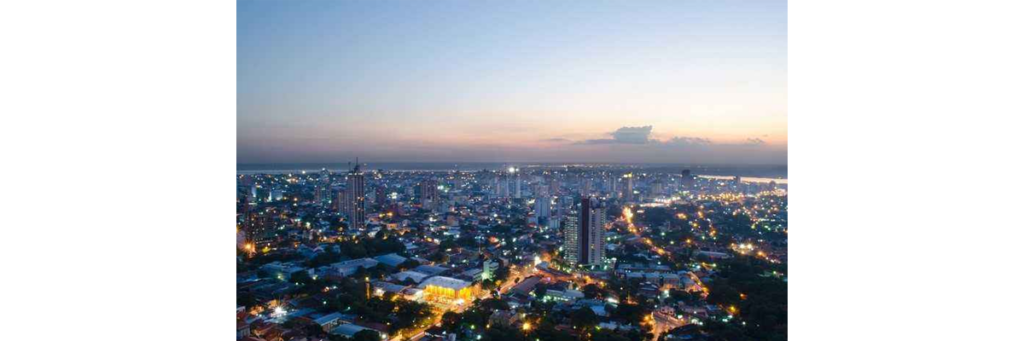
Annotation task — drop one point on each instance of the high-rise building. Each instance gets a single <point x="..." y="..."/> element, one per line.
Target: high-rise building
<point x="571" y="248"/>
<point x="628" y="191"/>
<point x="321" y="194"/>
<point x="500" y="186"/>
<point x="658" y="188"/>
<point x="517" y="186"/>
<point x="488" y="269"/>
<point x="258" y="229"/>
<point x="612" y="186"/>
<point x="584" y="233"/>
<point x="688" y="179"/>
<point x="342" y="201"/>
<point x="543" y="208"/>
<point x="428" y="194"/>
<point x="380" y="194"/>
<point x="592" y="219"/>
<point x="356" y="198"/>
<point x="322" y="189"/>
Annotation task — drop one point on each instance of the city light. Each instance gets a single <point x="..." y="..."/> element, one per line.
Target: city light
<point x="278" y="312"/>
<point x="480" y="243"/>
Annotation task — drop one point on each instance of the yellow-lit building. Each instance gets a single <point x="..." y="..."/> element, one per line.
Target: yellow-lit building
<point x="448" y="290"/>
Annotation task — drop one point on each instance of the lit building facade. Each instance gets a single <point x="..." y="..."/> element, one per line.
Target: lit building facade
<point x="447" y="290"/>
<point x="428" y="194"/>
<point x="356" y="198"/>
<point x="584" y="234"/>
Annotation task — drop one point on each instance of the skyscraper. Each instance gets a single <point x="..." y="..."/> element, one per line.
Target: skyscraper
<point x="380" y="194"/>
<point x="322" y="189"/>
<point x="356" y="198"/>
<point x="688" y="179"/>
<point x="428" y="194"/>
<point x="628" y="191"/>
<point x="543" y="208"/>
<point x="517" y="186"/>
<point x="572" y="239"/>
<point x="500" y="186"/>
<point x="592" y="218"/>
<point x="342" y="204"/>
<point x="613" y="186"/>
<point x="258" y="229"/>
<point x="584" y="234"/>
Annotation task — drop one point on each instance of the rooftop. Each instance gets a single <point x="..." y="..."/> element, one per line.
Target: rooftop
<point x="446" y="282"/>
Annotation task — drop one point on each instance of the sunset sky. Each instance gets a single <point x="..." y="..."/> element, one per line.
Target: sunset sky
<point x="684" y="81"/>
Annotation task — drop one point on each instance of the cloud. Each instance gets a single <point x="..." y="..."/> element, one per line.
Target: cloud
<point x="626" y="135"/>
<point x="633" y="135"/>
<point x="557" y="140"/>
<point x="754" y="141"/>
<point x="689" y="141"/>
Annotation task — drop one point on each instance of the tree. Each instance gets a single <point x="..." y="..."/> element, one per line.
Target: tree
<point x="631" y="313"/>
<point x="408" y="264"/>
<point x="540" y="290"/>
<point x="606" y="335"/>
<point x="246" y="299"/>
<point x="446" y="244"/>
<point x="502" y="274"/>
<point x="592" y="291"/>
<point x="411" y="314"/>
<point x="450" y="321"/>
<point x="583" y="318"/>
<point x="655" y="216"/>
<point x="440" y="256"/>
<point x="467" y="241"/>
<point x="493" y="304"/>
<point x="366" y="335"/>
<point x="300" y="277"/>
<point x="324" y="258"/>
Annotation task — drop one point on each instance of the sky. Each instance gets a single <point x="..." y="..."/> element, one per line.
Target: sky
<point x="684" y="81"/>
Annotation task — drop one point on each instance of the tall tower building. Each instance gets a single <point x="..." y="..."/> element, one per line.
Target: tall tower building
<point x="517" y="186"/>
<point x="322" y="189"/>
<point x="613" y="186"/>
<point x="592" y="218"/>
<point x="342" y="201"/>
<point x="584" y="233"/>
<point x="500" y="186"/>
<point x="687" y="179"/>
<point x="381" y="194"/>
<point x="356" y="198"/>
<point x="543" y="207"/>
<point x="572" y="239"/>
<point x="628" y="195"/>
<point x="258" y="229"/>
<point x="428" y="194"/>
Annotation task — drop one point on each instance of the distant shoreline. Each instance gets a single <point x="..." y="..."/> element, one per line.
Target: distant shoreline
<point x="763" y="173"/>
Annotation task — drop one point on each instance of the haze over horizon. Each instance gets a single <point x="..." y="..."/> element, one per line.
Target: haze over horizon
<point x="697" y="82"/>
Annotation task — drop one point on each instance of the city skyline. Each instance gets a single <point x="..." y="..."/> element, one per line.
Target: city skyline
<point x="669" y="82"/>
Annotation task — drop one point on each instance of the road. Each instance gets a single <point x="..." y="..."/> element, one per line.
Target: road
<point x="516" y="272"/>
<point x="664" y="323"/>
<point x="660" y="322"/>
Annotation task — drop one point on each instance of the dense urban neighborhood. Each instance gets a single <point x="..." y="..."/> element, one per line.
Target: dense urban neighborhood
<point x="521" y="252"/>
